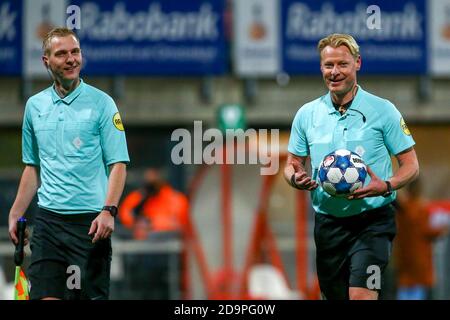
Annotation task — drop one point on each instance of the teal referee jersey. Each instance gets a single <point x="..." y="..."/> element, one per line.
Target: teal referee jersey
<point x="73" y="140"/>
<point x="372" y="127"/>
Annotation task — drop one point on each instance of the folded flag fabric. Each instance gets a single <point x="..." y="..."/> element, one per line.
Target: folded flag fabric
<point x="21" y="290"/>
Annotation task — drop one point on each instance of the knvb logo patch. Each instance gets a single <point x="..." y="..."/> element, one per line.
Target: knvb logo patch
<point x="77" y="142"/>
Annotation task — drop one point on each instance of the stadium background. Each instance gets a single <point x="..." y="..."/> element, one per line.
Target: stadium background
<point x="257" y="54"/>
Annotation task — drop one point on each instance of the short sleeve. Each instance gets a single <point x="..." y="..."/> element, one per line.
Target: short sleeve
<point x="298" y="144"/>
<point x="30" y="150"/>
<point x="396" y="134"/>
<point x="112" y="134"/>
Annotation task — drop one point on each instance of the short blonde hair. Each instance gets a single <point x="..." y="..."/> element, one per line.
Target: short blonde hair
<point x="336" y="40"/>
<point x="56" y="32"/>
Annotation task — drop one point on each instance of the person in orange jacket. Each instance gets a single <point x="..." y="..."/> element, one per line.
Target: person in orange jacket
<point x="413" y="246"/>
<point x="156" y="207"/>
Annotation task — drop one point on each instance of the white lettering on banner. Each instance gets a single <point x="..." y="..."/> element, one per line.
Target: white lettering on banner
<point x="156" y="52"/>
<point x="305" y="23"/>
<point x="151" y="25"/>
<point x="387" y="52"/>
<point x="7" y="30"/>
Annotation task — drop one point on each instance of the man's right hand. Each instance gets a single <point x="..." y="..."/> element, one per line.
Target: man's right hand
<point x="13" y="230"/>
<point x="301" y="180"/>
<point x="27" y="189"/>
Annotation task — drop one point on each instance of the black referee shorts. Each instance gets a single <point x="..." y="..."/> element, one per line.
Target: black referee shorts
<point x="350" y="250"/>
<point x="60" y="241"/>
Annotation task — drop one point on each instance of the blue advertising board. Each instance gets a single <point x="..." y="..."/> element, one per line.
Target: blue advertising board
<point x="148" y="37"/>
<point x="10" y="37"/>
<point x="392" y="41"/>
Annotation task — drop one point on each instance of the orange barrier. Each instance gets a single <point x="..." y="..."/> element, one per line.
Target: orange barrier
<point x="227" y="282"/>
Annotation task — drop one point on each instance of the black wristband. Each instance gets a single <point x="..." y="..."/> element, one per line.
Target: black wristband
<point x="111" y="209"/>
<point x="389" y="189"/>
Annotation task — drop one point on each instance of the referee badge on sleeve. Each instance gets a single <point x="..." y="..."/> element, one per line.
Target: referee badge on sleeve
<point x="117" y="121"/>
<point x="404" y="127"/>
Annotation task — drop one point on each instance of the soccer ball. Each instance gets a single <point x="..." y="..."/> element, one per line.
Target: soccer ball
<point x="342" y="172"/>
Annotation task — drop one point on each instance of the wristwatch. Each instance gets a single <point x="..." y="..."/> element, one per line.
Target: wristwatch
<point x="112" y="210"/>
<point x="389" y="189"/>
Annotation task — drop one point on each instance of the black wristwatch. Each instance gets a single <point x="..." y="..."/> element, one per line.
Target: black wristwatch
<point x="112" y="210"/>
<point x="389" y="189"/>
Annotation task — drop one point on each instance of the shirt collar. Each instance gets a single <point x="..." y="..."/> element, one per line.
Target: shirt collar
<point x="70" y="97"/>
<point x="354" y="104"/>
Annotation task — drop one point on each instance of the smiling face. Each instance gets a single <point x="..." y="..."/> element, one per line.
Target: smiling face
<point x="339" y="69"/>
<point x="64" y="58"/>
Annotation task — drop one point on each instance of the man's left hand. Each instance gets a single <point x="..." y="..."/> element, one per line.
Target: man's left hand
<point x="102" y="227"/>
<point x="375" y="188"/>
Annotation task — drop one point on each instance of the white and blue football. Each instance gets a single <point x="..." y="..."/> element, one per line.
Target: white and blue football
<point x="342" y="172"/>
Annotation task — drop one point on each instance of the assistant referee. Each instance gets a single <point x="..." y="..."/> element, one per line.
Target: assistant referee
<point x="74" y="141"/>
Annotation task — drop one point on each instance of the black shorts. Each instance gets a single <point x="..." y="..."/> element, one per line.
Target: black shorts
<point x="60" y="241"/>
<point x="350" y="251"/>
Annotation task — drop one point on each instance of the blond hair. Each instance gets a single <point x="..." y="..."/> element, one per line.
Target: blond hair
<point x="56" y="32"/>
<point x="336" y="40"/>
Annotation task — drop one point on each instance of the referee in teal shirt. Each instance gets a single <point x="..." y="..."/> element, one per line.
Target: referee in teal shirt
<point x="73" y="139"/>
<point x="353" y="235"/>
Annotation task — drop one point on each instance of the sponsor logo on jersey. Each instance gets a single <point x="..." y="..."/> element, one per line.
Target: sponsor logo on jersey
<point x="117" y="121"/>
<point x="404" y="127"/>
